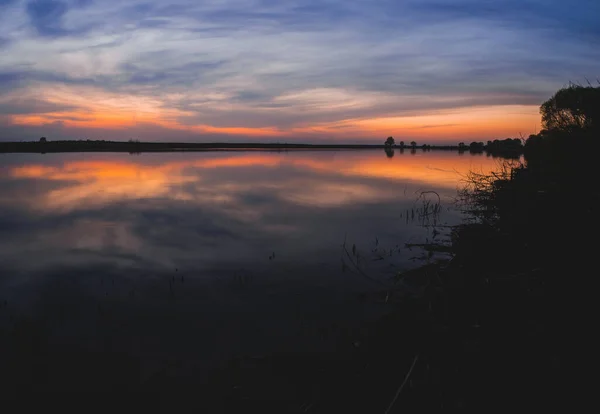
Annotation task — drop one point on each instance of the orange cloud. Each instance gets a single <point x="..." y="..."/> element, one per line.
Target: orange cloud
<point x="478" y="123"/>
<point x="106" y="110"/>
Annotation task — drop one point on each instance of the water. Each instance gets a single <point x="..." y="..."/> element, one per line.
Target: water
<point x="213" y="255"/>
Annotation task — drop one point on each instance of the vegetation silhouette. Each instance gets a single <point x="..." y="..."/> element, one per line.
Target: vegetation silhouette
<point x="506" y="148"/>
<point x="476" y="147"/>
<point x="504" y="320"/>
<point x="572" y="109"/>
<point x="513" y="284"/>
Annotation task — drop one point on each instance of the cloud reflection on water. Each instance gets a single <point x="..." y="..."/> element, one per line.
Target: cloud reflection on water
<point x="213" y="210"/>
<point x="100" y="182"/>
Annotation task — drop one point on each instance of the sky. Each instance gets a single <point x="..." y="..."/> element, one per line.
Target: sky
<point x="433" y="71"/>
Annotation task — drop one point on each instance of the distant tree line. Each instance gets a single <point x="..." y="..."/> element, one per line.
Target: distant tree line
<point x="508" y="148"/>
<point x="390" y="142"/>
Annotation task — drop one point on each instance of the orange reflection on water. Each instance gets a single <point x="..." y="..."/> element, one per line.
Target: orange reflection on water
<point x="315" y="178"/>
<point x="438" y="169"/>
<point x="96" y="183"/>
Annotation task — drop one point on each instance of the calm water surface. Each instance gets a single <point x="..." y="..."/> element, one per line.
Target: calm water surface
<point x="215" y="254"/>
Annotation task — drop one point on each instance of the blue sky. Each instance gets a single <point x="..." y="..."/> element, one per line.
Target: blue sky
<point x="329" y="70"/>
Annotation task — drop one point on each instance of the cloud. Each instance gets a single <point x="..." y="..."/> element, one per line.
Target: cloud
<point x="29" y="105"/>
<point x="46" y="16"/>
<point x="302" y="64"/>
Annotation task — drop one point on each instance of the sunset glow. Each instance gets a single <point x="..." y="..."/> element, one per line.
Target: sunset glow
<point x="250" y="70"/>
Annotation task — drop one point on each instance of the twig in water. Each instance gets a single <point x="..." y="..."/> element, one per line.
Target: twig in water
<point x="363" y="274"/>
<point x="403" y="384"/>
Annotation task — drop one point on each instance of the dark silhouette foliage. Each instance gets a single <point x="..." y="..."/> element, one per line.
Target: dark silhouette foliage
<point x="529" y="246"/>
<point x="572" y="108"/>
<point x="476" y="147"/>
<point x="507" y="148"/>
<point x="569" y="143"/>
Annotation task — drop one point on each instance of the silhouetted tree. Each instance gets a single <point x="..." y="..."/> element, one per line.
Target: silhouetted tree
<point x="476" y="146"/>
<point x="413" y="144"/>
<point x="43" y="139"/>
<point x="574" y="107"/>
<point x="389" y="142"/>
<point x="402" y="144"/>
<point x="508" y="148"/>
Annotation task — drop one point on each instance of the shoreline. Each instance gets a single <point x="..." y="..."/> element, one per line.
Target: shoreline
<point x="137" y="147"/>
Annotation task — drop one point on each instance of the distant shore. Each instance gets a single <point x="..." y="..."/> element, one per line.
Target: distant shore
<point x="135" y="146"/>
<point x="139" y="147"/>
